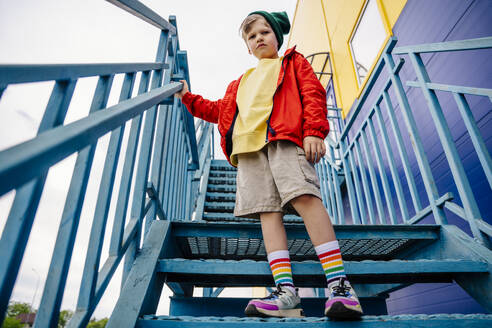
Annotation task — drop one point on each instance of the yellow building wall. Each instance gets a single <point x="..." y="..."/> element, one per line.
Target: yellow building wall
<point x="309" y="35"/>
<point x="339" y="18"/>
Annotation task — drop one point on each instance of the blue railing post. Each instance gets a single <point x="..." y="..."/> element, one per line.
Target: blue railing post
<point x="456" y="166"/>
<point x="21" y="217"/>
<point x="417" y="145"/>
<point x="139" y="194"/>
<point x="402" y="151"/>
<point x="365" y="183"/>
<point x="348" y="181"/>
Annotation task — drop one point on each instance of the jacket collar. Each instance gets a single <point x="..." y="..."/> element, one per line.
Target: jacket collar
<point x="290" y="51"/>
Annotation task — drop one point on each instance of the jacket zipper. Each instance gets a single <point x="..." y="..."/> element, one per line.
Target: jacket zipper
<point x="269" y="128"/>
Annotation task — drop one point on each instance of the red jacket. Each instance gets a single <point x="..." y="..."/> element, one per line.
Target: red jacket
<point x="299" y="105"/>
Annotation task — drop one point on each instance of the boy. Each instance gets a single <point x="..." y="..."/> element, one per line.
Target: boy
<point x="273" y="122"/>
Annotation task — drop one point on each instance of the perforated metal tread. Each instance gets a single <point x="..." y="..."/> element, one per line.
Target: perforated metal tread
<point x="220" y="197"/>
<point x="229" y="217"/>
<point x="223" y="174"/>
<point x="245" y="273"/>
<point x="238" y="241"/>
<point x="222" y="165"/>
<point x="398" y="321"/>
<point x="221" y="180"/>
<point x="221" y="206"/>
<point x="221" y="188"/>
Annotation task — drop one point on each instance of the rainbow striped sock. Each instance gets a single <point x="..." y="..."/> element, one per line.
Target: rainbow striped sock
<point x="281" y="268"/>
<point x="331" y="260"/>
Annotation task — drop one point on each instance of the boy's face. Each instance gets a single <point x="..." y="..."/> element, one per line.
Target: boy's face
<point x="261" y="40"/>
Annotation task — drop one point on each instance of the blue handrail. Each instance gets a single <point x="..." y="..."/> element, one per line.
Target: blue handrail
<point x="362" y="146"/>
<point x="167" y="169"/>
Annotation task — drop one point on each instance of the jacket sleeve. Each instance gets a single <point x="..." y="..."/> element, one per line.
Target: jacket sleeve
<point x="204" y="108"/>
<point x="313" y="99"/>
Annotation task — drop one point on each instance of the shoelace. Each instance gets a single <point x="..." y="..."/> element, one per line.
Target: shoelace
<point x="275" y="293"/>
<point x="341" y="289"/>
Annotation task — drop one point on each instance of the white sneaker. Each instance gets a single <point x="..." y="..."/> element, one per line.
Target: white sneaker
<point x="342" y="302"/>
<point x="280" y="303"/>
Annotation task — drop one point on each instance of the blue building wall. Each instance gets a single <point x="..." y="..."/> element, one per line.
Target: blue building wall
<point x="420" y="22"/>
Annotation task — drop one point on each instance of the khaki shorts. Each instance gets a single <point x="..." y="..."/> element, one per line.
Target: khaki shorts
<point x="267" y="180"/>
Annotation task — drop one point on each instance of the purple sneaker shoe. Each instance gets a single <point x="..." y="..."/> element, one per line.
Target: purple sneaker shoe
<point x="280" y="303"/>
<point x="342" y="302"/>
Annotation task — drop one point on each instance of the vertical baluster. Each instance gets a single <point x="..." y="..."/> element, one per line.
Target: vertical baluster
<point x="318" y="169"/>
<point x="403" y="153"/>
<point x="350" y="185"/>
<point x="213" y="142"/>
<point x="87" y="300"/>
<point x="365" y="182"/>
<point x="418" y="147"/>
<point x="476" y="138"/>
<point x="62" y="254"/>
<point x="169" y="163"/>
<point x="464" y="189"/>
<point x="322" y="184"/>
<point x="156" y="165"/>
<point x="382" y="172"/>
<point x="126" y="175"/>
<point x="391" y="161"/>
<point x="184" y="158"/>
<point x="23" y="210"/>
<point x="325" y="183"/>
<point x="165" y="157"/>
<point x="139" y="192"/>
<point x="189" y="186"/>
<point x="338" y="193"/>
<point x="374" y="182"/>
<point x="172" y="167"/>
<point x="167" y="138"/>
<point x="358" y="191"/>
<point x="331" y="193"/>
<point x="180" y="170"/>
<point x="186" y="183"/>
<point x="179" y="175"/>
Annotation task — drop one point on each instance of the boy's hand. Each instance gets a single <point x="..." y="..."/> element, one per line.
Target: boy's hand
<point x="315" y="148"/>
<point x="185" y="89"/>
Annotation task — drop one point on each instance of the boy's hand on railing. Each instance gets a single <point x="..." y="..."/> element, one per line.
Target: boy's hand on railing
<point x="185" y="89"/>
<point x="314" y="148"/>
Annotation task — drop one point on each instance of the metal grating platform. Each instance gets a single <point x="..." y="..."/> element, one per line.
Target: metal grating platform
<point x="253" y="248"/>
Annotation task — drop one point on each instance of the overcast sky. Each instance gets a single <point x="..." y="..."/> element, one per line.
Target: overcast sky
<point x="95" y="31"/>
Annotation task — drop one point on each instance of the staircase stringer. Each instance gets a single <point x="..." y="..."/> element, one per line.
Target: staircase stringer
<point x="457" y="244"/>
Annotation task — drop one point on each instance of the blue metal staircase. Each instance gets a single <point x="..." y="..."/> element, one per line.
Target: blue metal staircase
<point x="175" y="227"/>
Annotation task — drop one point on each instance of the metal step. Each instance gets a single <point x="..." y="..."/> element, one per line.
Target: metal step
<point x="220" y="197"/>
<point x="384" y="321"/>
<point x="244" y="240"/>
<point x="234" y="306"/>
<point x="221" y="181"/>
<point x="219" y="206"/>
<point x="222" y="188"/>
<point x="245" y="273"/>
<point x="222" y="165"/>
<point x="217" y="216"/>
<point x="221" y="173"/>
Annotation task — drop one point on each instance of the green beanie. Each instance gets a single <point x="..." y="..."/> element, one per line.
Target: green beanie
<point x="279" y="21"/>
